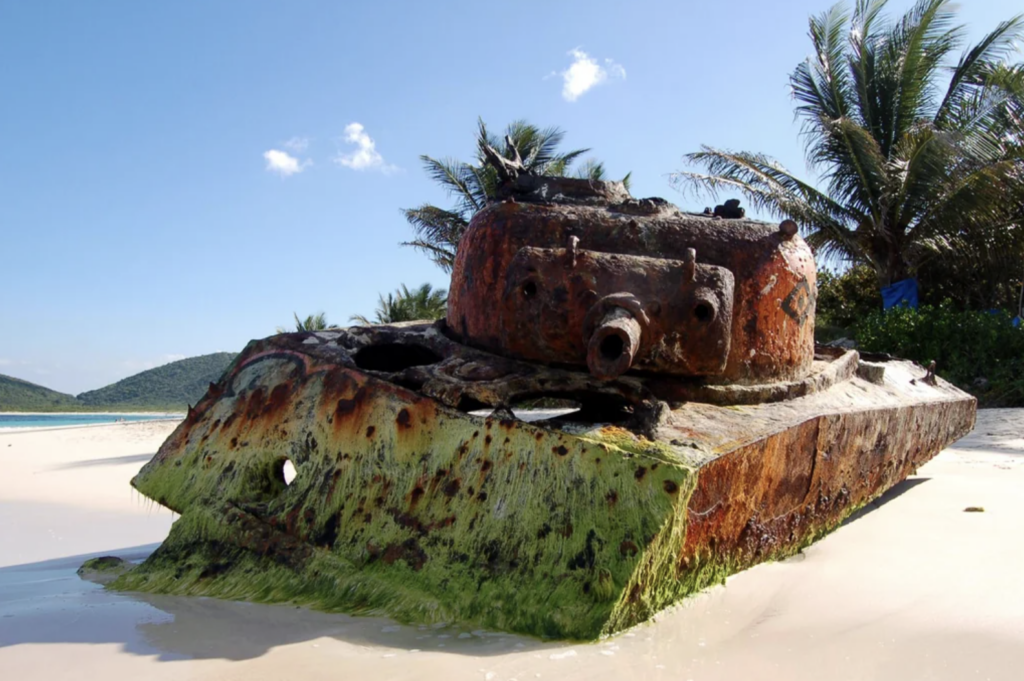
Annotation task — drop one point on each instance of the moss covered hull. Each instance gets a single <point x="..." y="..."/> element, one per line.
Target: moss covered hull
<point x="407" y="507"/>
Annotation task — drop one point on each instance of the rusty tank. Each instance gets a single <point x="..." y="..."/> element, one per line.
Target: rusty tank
<point x="600" y="280"/>
<point x="703" y="431"/>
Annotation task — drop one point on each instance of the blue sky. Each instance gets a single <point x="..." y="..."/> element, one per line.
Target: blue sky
<point x="179" y="177"/>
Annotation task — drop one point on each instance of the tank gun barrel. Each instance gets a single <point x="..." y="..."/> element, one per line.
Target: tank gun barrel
<point x="614" y="344"/>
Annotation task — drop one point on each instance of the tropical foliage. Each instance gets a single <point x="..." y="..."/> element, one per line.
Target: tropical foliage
<point x="921" y="153"/>
<point x="844" y="299"/>
<point x="471" y="185"/>
<point x="313" y="322"/>
<point x="406" y="305"/>
<point x="979" y="351"/>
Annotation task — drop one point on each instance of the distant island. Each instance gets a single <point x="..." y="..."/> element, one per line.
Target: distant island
<point x="171" y="387"/>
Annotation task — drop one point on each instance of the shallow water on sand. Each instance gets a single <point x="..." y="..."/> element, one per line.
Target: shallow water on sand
<point x="66" y="419"/>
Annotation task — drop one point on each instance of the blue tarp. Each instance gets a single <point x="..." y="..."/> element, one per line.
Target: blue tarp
<point x="901" y="294"/>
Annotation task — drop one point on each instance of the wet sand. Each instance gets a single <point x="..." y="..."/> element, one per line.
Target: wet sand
<point x="913" y="588"/>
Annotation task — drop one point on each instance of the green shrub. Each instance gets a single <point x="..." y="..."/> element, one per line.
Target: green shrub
<point x="980" y="352"/>
<point x="843" y="300"/>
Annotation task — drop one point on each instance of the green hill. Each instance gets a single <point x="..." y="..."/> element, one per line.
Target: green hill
<point x="19" y="395"/>
<point x="170" y="387"/>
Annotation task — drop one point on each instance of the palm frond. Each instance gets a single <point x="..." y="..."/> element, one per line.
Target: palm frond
<point x="566" y="159"/>
<point x="473" y="185"/>
<point x="313" y="322"/>
<point x="862" y="60"/>
<point x="914" y="50"/>
<point x="821" y="84"/>
<point x="405" y="305"/>
<point x="457" y="178"/>
<point x="438" y="233"/>
<point x="591" y="169"/>
<point x="827" y="224"/>
<point x="976" y="63"/>
<point x="766" y="184"/>
<point x="440" y="255"/>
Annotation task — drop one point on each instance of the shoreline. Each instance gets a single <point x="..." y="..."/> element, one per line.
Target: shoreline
<point x="20" y="430"/>
<point x="91" y="413"/>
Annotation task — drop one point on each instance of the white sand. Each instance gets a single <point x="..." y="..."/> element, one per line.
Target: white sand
<point x="915" y="588"/>
<point x="65" y="491"/>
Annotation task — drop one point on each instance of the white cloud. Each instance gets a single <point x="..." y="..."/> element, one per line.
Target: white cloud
<point x="585" y="73"/>
<point x="365" y="156"/>
<point x="283" y="163"/>
<point x="4" y="362"/>
<point x="297" y="144"/>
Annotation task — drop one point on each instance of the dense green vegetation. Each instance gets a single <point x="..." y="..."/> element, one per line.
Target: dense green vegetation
<point x="843" y="300"/>
<point x="19" y="395"/>
<point x="171" y="387"/>
<point x="980" y="352"/>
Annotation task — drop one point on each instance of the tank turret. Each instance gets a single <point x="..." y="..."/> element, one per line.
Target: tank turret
<point x="576" y="272"/>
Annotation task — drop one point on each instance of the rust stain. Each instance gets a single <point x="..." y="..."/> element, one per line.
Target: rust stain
<point x="404" y="420"/>
<point x="704" y="290"/>
<point x="808" y="477"/>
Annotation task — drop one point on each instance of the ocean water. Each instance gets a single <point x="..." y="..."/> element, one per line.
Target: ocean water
<point x="54" y="420"/>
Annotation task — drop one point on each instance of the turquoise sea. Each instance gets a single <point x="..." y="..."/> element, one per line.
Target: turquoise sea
<point x="54" y="420"/>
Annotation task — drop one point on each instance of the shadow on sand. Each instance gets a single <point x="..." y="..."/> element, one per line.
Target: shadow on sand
<point x="893" y="492"/>
<point x="107" y="461"/>
<point x="48" y="603"/>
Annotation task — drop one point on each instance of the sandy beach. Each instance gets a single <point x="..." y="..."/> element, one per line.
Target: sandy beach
<point x="913" y="588"/>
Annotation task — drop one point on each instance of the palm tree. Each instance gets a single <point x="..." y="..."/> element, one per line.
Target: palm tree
<point x="918" y="153"/>
<point x="317" y="322"/>
<point x="472" y="185"/>
<point x="404" y="305"/>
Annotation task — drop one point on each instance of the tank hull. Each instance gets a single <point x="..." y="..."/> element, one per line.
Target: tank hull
<point x="408" y="505"/>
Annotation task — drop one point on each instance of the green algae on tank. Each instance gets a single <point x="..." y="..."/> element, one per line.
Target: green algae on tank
<point x="403" y="506"/>
<point x="103" y="570"/>
<point x="400" y="506"/>
<point x="711" y="434"/>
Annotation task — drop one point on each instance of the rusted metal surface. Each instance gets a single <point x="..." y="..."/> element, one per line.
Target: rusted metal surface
<point x="708" y="437"/>
<point x="613" y="342"/>
<point x="771" y="326"/>
<point x="410" y="507"/>
<point x="670" y="316"/>
<point x="750" y="503"/>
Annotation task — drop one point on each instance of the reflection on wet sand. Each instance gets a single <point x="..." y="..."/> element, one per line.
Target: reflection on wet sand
<point x="174" y="627"/>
